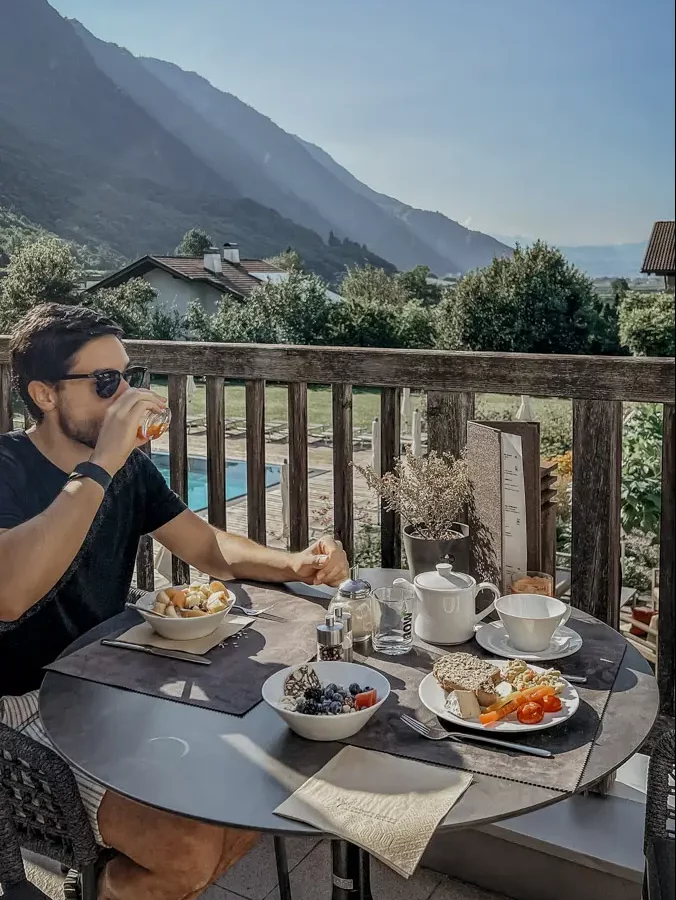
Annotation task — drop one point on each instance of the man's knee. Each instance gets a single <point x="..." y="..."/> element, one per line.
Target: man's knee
<point x="192" y="853"/>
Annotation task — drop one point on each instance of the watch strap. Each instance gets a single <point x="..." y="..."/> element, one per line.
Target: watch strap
<point x="91" y="470"/>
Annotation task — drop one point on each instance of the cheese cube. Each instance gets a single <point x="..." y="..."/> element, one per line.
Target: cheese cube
<point x="463" y="704"/>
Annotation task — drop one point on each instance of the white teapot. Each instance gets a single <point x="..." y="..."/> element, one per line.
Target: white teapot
<point x="446" y="608"/>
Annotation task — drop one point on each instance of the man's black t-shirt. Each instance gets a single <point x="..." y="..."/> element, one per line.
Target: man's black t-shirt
<point x="96" y="584"/>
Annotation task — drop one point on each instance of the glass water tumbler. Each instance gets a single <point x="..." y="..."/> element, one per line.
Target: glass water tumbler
<point x="154" y="425"/>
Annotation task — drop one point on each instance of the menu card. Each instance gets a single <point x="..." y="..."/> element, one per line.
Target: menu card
<point x="514" y="553"/>
<point x="504" y="464"/>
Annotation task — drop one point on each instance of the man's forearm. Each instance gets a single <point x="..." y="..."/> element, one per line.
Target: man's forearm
<point x="34" y="555"/>
<point x="244" y="559"/>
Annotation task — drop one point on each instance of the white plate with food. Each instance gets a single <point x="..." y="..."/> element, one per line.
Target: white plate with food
<point x="186" y="613"/>
<point x="493" y="637"/>
<point x="497" y="696"/>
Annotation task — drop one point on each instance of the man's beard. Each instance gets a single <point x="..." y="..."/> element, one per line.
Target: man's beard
<point x="87" y="433"/>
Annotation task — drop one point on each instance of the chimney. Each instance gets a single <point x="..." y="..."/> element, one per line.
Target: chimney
<point x="212" y="261"/>
<point x="231" y="253"/>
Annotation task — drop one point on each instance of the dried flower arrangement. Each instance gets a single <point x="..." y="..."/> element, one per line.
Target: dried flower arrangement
<point x="429" y="492"/>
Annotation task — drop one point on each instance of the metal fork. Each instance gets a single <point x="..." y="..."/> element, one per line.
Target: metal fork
<point x="256" y="613"/>
<point x="442" y="735"/>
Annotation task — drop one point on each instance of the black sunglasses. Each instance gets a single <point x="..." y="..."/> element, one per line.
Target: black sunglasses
<point x="108" y="380"/>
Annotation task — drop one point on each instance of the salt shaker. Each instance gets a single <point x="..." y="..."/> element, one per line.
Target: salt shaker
<point x="330" y="640"/>
<point x="345" y="618"/>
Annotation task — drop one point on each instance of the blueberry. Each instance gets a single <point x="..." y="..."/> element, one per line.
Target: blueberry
<point x="331" y="687"/>
<point x="336" y="708"/>
<point x="367" y="689"/>
<point x="355" y="689"/>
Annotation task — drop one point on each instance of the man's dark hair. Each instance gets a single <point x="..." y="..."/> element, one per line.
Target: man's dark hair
<point x="45" y="341"/>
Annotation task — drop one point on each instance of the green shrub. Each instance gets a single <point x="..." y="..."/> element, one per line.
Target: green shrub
<point x="647" y="323"/>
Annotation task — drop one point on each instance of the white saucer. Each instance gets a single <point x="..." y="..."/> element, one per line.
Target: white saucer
<point x="493" y="637"/>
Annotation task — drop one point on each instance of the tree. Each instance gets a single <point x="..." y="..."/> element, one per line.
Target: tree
<point x="45" y="270"/>
<point x="294" y="311"/>
<point x="198" y="323"/>
<point x="130" y="304"/>
<point x="619" y="287"/>
<point x="533" y="302"/>
<point x="647" y="323"/>
<point x="288" y="261"/>
<point x="195" y="242"/>
<point x="373" y="285"/>
<point x="414" y="283"/>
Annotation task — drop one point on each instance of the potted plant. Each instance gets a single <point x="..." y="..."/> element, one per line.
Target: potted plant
<point x="430" y="494"/>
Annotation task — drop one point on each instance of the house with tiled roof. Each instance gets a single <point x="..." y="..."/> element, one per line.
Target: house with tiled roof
<point x="660" y="255"/>
<point x="179" y="280"/>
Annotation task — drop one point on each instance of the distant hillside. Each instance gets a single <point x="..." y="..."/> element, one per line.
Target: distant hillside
<point x="15" y="229"/>
<point x="597" y="260"/>
<point x="613" y="260"/>
<point x="457" y="248"/>
<point x="82" y="158"/>
<point x="279" y="170"/>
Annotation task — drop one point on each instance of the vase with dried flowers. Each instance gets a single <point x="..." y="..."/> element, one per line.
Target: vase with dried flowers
<point x="430" y="493"/>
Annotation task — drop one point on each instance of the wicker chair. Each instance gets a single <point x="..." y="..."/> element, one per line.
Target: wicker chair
<point x="41" y="811"/>
<point x="660" y="822"/>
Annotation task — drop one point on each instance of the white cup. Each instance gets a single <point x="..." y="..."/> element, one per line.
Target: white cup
<point x="530" y="620"/>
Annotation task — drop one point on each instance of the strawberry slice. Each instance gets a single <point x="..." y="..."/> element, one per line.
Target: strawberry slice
<point x="365" y="700"/>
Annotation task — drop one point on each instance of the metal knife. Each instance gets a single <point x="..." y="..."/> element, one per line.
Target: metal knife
<point x="156" y="651"/>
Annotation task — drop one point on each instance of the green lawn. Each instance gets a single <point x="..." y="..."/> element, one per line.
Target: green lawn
<point x="553" y="413"/>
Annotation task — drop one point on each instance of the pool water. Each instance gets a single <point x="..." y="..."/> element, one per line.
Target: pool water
<point x="235" y="478"/>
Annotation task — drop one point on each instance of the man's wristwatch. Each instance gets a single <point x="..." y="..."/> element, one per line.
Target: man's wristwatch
<point x="91" y="470"/>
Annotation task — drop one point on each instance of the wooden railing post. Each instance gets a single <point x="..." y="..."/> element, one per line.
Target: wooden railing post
<point x="178" y="458"/>
<point x="343" y="476"/>
<point x="390" y="450"/>
<point x="597" y="472"/>
<point x="145" y="555"/>
<point x="667" y="584"/>
<point x="255" y="460"/>
<point x="298" y="476"/>
<point x="216" y="459"/>
<point x="448" y="413"/>
<point x="6" y="415"/>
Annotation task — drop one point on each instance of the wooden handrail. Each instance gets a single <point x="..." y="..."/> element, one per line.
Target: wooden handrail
<point x="597" y="385"/>
<point x="648" y="380"/>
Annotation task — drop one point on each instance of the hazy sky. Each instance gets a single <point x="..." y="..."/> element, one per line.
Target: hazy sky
<point x="552" y="118"/>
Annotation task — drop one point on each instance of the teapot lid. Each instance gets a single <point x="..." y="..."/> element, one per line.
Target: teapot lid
<point x="444" y="579"/>
<point x="355" y="587"/>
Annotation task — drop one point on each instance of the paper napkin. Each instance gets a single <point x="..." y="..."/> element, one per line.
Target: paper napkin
<point x="385" y="804"/>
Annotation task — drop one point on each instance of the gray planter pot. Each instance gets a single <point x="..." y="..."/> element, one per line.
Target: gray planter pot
<point x="423" y="554"/>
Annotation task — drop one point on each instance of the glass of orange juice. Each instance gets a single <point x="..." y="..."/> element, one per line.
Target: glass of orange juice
<point x="154" y="425"/>
<point x="532" y="583"/>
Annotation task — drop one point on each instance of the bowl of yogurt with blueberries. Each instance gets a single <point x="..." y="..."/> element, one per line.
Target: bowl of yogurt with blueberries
<point x="326" y="701"/>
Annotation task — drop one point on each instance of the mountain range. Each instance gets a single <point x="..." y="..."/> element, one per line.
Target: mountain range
<point x="100" y="146"/>
<point x="597" y="260"/>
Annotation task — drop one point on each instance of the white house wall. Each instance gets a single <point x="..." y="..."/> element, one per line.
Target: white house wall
<point x="175" y="293"/>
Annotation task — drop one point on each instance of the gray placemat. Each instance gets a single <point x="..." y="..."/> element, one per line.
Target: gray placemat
<point x="599" y="659"/>
<point x="232" y="683"/>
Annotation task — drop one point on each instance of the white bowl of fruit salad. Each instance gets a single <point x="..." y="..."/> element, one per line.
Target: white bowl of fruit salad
<point x="326" y="701"/>
<point x="186" y="613"/>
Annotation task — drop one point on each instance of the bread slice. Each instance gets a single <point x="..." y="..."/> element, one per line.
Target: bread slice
<point x="464" y="672"/>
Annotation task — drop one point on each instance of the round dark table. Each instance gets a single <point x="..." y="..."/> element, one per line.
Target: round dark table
<point x="236" y="770"/>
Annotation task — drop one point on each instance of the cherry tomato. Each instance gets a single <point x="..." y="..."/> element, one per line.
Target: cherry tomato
<point x="530" y="713"/>
<point x="551" y="703"/>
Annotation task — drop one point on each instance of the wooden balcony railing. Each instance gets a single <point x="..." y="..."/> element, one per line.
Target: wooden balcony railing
<point x="597" y="386"/>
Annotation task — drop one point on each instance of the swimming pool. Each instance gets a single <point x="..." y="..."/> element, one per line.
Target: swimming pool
<point x="235" y="478"/>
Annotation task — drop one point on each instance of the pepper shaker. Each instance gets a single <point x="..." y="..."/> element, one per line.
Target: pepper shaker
<point x="330" y="640"/>
<point x="345" y="617"/>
